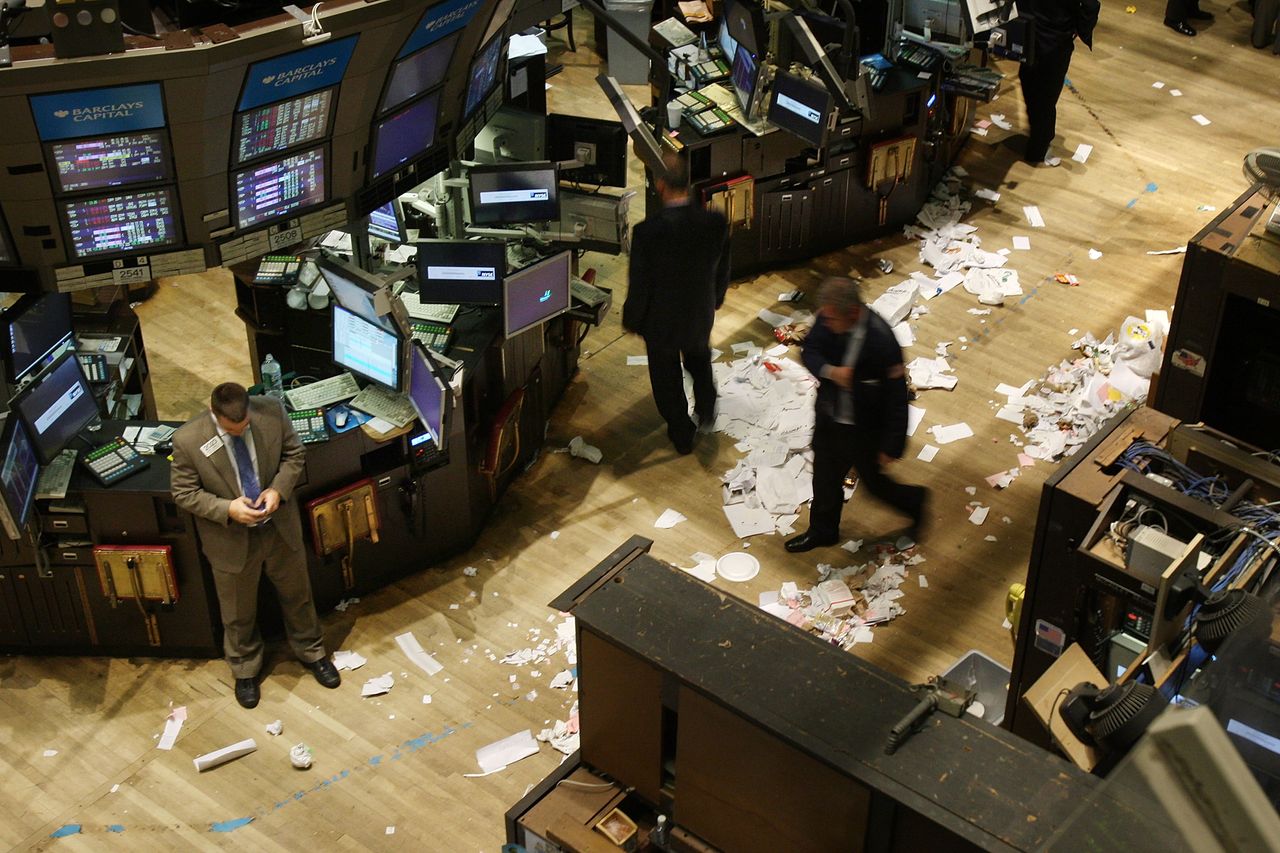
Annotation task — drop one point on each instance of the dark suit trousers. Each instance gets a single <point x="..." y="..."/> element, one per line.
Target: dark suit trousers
<point x="1176" y="11"/>
<point x="837" y="448"/>
<point x="1042" y="83"/>
<point x="667" y="379"/>
<point x="238" y="600"/>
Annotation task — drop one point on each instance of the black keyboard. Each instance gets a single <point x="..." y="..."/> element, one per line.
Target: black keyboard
<point x="435" y="336"/>
<point x="309" y="425"/>
<point x="114" y="461"/>
<point x="278" y="269"/>
<point x="95" y="367"/>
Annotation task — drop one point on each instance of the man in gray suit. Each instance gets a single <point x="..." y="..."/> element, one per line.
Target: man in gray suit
<point x="220" y="461"/>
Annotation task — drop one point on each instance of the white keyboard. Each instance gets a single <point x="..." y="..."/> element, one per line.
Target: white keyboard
<point x="56" y="476"/>
<point x="381" y="403"/>
<point x="428" y="312"/>
<point x="326" y="392"/>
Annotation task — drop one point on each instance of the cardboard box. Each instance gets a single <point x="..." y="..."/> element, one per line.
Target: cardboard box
<point x="584" y="806"/>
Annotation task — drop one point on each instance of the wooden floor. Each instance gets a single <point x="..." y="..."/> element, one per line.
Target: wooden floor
<point x="393" y="761"/>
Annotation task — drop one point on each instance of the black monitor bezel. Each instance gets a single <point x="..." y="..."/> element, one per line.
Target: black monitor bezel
<point x="755" y="78"/>
<point x="785" y="79"/>
<point x="446" y="398"/>
<point x="385" y="108"/>
<point x="55" y="181"/>
<point x="236" y="164"/>
<point x="469" y="111"/>
<point x="293" y="213"/>
<point x="495" y="296"/>
<point x="560" y="123"/>
<point x="499" y="168"/>
<point x="13" y="314"/>
<point x="378" y="127"/>
<point x="397" y="210"/>
<point x="507" y="331"/>
<point x="15" y="405"/>
<point x="753" y="15"/>
<point x="69" y="242"/>
<point x="13" y="423"/>
<point x="392" y="333"/>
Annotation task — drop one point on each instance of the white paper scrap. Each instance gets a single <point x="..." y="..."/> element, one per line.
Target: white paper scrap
<point x="348" y="660"/>
<point x="378" y="685"/>
<point x="669" y="519"/>
<point x="413" y="650"/>
<point x="924" y="581"/>
<point x="1094" y="254"/>
<point x="1033" y="216"/>
<point x="915" y="415"/>
<point x="1023" y="243"/>
<point x="748" y="521"/>
<point x="1157" y="85"/>
<point x="503" y="753"/>
<point x="172" y="726"/>
<point x="989" y="195"/>
<point x="1082" y="153"/>
<point x="1200" y="120"/>
<point x="1181" y="250"/>
<point x="1177" y="93"/>
<point x="927" y="453"/>
<point x="948" y="434"/>
<point x="637" y="360"/>
<point x="979" y="514"/>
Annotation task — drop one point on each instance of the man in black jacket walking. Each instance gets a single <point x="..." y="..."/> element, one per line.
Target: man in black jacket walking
<point x="1057" y="24"/>
<point x="860" y="420"/>
<point x="679" y="275"/>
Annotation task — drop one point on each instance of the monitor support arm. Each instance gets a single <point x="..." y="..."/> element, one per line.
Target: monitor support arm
<point x="821" y="61"/>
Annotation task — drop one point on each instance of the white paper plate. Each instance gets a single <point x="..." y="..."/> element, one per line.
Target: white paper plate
<point x="737" y="566"/>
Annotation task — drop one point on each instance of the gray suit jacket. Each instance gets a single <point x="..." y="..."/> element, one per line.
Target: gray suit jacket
<point x="206" y="485"/>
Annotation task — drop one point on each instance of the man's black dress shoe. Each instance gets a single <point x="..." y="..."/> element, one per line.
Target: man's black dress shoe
<point x="325" y="672"/>
<point x="247" y="693"/>
<point x="807" y="542"/>
<point x="1180" y="27"/>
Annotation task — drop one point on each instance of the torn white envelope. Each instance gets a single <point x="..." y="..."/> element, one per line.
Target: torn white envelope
<point x="979" y="514"/>
<point x="927" y="453"/>
<point x="748" y="521"/>
<point x="507" y="751"/>
<point x="915" y="415"/>
<point x="773" y="318"/>
<point x="669" y="518"/>
<point x="348" y="660"/>
<point x="1082" y="153"/>
<point x="413" y="650"/>
<point x="378" y="685"/>
<point x="948" y="434"/>
<point x="1032" y="213"/>
<point x="1022" y="243"/>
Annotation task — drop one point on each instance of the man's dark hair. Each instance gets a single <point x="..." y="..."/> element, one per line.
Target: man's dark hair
<point x="675" y="176"/>
<point x="231" y="401"/>
<point x="840" y="292"/>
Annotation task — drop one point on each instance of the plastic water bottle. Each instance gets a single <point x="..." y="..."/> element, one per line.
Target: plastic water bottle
<point x="271" y="377"/>
<point x="659" y="836"/>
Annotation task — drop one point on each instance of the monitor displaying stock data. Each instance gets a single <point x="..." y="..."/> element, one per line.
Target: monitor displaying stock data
<point x="121" y="223"/>
<point x="279" y="187"/>
<point x="283" y="125"/>
<point x="109" y="161"/>
<point x="365" y="349"/>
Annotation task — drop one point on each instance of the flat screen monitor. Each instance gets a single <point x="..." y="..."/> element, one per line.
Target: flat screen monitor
<point x="120" y="224"/>
<point x="728" y="44"/>
<point x="746" y="24"/>
<point x="355" y="290"/>
<point x="514" y="192"/>
<point x="385" y="223"/>
<point x="465" y="272"/>
<point x="279" y="187"/>
<point x="800" y="106"/>
<point x="745" y="74"/>
<point x="535" y="294"/>
<point x="400" y="137"/>
<point x="56" y="406"/>
<point x="599" y="143"/>
<point x="428" y="393"/>
<point x="484" y="73"/>
<point x="278" y="127"/>
<point x="366" y="349"/>
<point x="109" y="161"/>
<point x="37" y="327"/>
<point x="19" y="469"/>
<point x="421" y="72"/>
<point x="7" y="255"/>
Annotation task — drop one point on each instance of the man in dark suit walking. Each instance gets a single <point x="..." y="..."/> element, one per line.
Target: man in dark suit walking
<point x="1057" y="24"/>
<point x="221" y="459"/>
<point x="860" y="420"/>
<point x="679" y="276"/>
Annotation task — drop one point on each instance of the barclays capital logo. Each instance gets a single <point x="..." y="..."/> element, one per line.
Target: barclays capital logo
<point x="266" y="81"/>
<point x="61" y="113"/>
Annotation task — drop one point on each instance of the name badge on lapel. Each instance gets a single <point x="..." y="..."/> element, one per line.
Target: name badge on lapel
<point x="211" y="446"/>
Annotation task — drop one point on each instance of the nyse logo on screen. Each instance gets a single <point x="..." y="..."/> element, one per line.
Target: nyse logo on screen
<point x="96" y="111"/>
<point x="439" y="21"/>
<point x="545" y="296"/>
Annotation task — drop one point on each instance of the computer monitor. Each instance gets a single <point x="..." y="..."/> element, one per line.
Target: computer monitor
<point x="801" y="106"/>
<point x="19" y="469"/>
<point x="418" y="73"/>
<point x="38" y="326"/>
<point x="599" y="143"/>
<point x="366" y="349"/>
<point x="511" y="193"/>
<point x="387" y="223"/>
<point x="728" y="44"/>
<point x="8" y="256"/>
<point x="745" y="75"/>
<point x="355" y="290"/>
<point x="279" y="187"/>
<point x="465" y="272"/>
<point x="56" y="406"/>
<point x="535" y="294"/>
<point x="483" y="73"/>
<point x="746" y="24"/>
<point x="428" y="393"/>
<point x="404" y="135"/>
<point x="283" y="125"/>
<point x="120" y="224"/>
<point x="109" y="161"/>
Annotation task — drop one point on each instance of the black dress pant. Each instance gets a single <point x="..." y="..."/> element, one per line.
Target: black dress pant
<point x="1042" y="83"/>
<point x="1176" y="11"/>
<point x="667" y="378"/>
<point x="838" y="447"/>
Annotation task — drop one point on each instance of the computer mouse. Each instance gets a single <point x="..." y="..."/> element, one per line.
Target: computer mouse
<point x="340" y="417"/>
<point x="164" y="448"/>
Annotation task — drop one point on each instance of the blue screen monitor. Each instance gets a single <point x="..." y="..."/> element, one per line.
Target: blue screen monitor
<point x="404" y="135"/>
<point x="745" y="74"/>
<point x="384" y="223"/>
<point x="278" y="127"/>
<point x="120" y="224"/>
<point x="56" y="406"/>
<point x="366" y="349"/>
<point x="535" y="294"/>
<point x="728" y="44"/>
<point x="428" y="393"/>
<point x="421" y="72"/>
<point x="19" y="469"/>
<point x="36" y="328"/>
<point x="109" y="161"/>
<point x="484" y="73"/>
<point x="279" y="187"/>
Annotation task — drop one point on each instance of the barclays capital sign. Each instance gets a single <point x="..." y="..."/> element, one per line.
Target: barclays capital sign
<point x="297" y="73"/>
<point x="438" y="21"/>
<point x="95" y="112"/>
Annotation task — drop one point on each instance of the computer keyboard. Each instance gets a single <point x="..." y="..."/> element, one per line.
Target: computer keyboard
<point x="385" y="404"/>
<point x="56" y="476"/>
<point x="326" y="392"/>
<point x="428" y="312"/>
<point x="114" y="461"/>
<point x="278" y="269"/>
<point x="309" y="425"/>
<point x="435" y="336"/>
<point x="587" y="294"/>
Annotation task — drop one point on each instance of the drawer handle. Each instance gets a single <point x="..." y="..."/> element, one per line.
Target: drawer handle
<point x="69" y="555"/>
<point x="59" y="524"/>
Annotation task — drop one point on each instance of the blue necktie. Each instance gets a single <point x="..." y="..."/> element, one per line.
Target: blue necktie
<point x="248" y="479"/>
